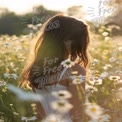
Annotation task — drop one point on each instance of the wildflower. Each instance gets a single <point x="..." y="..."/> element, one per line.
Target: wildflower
<point x="2" y="83"/>
<point x="107" y="66"/>
<point x="104" y="75"/>
<point x="120" y="48"/>
<point x="1" y="120"/>
<point x="6" y="75"/>
<point x="7" y="44"/>
<point x="52" y="118"/>
<point x="74" y="73"/>
<point x="11" y="104"/>
<point x="68" y="63"/>
<point x="112" y="59"/>
<point x="114" y="78"/>
<point x="93" y="110"/>
<point x="15" y="76"/>
<point x="26" y="119"/>
<point x="61" y="106"/>
<point x="62" y="94"/>
<point x="105" y="33"/>
<point x="15" y="113"/>
<point x="4" y="89"/>
<point x="95" y="61"/>
<point x="77" y="79"/>
<point x="33" y="105"/>
<point x="96" y="81"/>
<point x="107" y="38"/>
<point x="91" y="89"/>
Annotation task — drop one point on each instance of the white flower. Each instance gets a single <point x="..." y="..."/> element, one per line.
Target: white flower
<point x="62" y="94"/>
<point x="1" y="120"/>
<point x="74" y="72"/>
<point x="52" y="118"/>
<point x="107" y="66"/>
<point x="93" y="110"/>
<point x="107" y="38"/>
<point x="95" y="61"/>
<point x="2" y="83"/>
<point x="120" y="48"/>
<point x="61" y="106"/>
<point x="104" y="75"/>
<point x="105" y="118"/>
<point x="77" y="79"/>
<point x="112" y="59"/>
<point x="15" y="76"/>
<point x="91" y="89"/>
<point x="26" y="119"/>
<point x="67" y="63"/>
<point x="6" y="75"/>
<point x="114" y="78"/>
<point x="105" y="33"/>
<point x="96" y="81"/>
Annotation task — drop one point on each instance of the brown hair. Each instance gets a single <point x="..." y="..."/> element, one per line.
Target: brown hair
<point x="55" y="31"/>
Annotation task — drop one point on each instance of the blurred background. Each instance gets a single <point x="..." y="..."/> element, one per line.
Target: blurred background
<point x="18" y="17"/>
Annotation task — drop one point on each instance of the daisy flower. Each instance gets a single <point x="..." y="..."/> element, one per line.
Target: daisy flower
<point x="120" y="48"/>
<point x="104" y="75"/>
<point x="112" y="59"/>
<point x="74" y="73"/>
<point x="6" y="75"/>
<point x="105" y="33"/>
<point x="62" y="94"/>
<point x="91" y="89"/>
<point x="2" y="83"/>
<point x="61" y="106"/>
<point x="52" y="118"/>
<point x="93" y="110"/>
<point x="114" y="78"/>
<point x="96" y="81"/>
<point x="68" y="63"/>
<point x="77" y="79"/>
<point x="26" y="119"/>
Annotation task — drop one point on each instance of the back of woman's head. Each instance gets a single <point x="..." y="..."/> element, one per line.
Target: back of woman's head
<point x="60" y="29"/>
<point x="51" y="44"/>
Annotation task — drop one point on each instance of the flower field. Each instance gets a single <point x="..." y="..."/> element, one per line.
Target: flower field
<point x="103" y="89"/>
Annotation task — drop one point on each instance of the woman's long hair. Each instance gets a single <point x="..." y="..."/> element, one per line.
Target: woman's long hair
<point x="55" y="32"/>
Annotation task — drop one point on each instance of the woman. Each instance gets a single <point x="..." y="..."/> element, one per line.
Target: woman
<point x="62" y="38"/>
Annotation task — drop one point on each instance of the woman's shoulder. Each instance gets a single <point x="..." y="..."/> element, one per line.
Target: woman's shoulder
<point x="80" y="69"/>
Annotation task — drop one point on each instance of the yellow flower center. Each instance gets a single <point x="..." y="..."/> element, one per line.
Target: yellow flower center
<point x="68" y="63"/>
<point x="61" y="104"/>
<point x="93" y="109"/>
<point x="61" y="94"/>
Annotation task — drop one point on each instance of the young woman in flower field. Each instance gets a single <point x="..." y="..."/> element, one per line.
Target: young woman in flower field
<point x="60" y="52"/>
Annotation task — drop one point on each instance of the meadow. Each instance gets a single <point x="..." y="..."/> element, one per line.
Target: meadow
<point x="103" y="89"/>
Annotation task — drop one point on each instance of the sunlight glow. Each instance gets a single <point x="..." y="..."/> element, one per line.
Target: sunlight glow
<point x="20" y="6"/>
